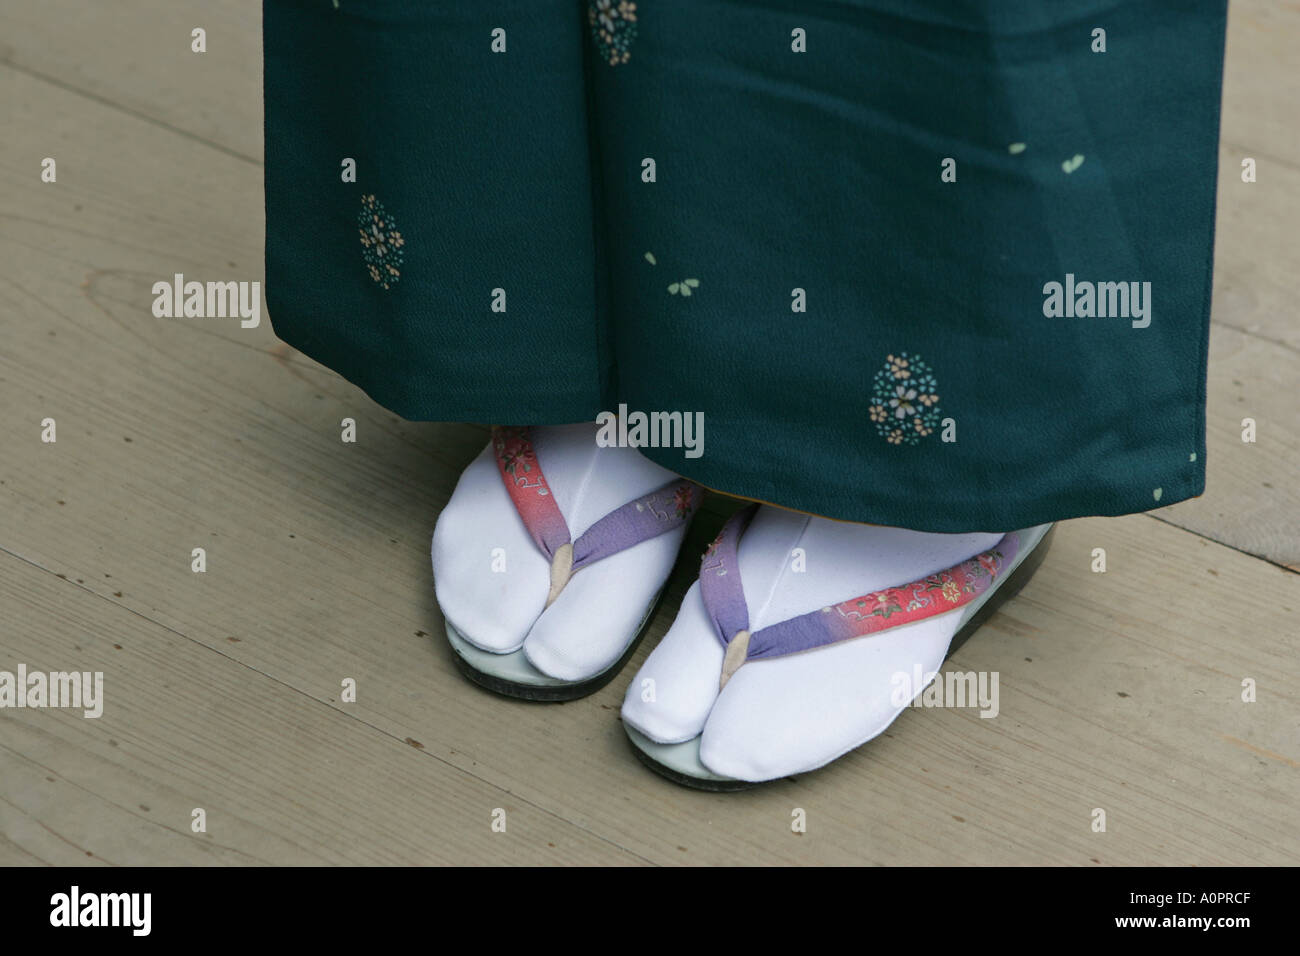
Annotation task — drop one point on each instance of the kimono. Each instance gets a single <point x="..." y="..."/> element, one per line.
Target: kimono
<point x="938" y="264"/>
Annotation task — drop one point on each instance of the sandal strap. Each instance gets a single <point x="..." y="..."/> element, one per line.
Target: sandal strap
<point x="641" y="519"/>
<point x="720" y="586"/>
<point x="938" y="593"/>
<point x="649" y="516"/>
<point x="524" y="481"/>
<point x="934" y="594"/>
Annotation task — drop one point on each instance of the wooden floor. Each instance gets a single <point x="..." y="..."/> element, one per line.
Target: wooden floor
<point x="223" y="688"/>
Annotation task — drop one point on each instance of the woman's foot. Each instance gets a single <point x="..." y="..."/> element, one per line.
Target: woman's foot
<point x="804" y="639"/>
<point x="550" y="555"/>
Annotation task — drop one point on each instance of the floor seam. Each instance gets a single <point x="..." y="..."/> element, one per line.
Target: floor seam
<point x="136" y="114"/>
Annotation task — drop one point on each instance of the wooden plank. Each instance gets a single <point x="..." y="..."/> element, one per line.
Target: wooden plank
<point x="1260" y="85"/>
<point x="1251" y="500"/>
<point x="1256" y="284"/>
<point x="135" y="56"/>
<point x="281" y="777"/>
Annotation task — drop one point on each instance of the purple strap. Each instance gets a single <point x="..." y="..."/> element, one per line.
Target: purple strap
<point x="724" y="597"/>
<point x="647" y="517"/>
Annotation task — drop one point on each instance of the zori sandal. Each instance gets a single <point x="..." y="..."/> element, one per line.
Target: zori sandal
<point x="783" y="675"/>
<point x="546" y="577"/>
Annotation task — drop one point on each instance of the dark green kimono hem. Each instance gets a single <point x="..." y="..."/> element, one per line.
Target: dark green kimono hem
<point x="939" y="266"/>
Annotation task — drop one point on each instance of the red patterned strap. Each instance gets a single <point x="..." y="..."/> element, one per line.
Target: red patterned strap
<point x="649" y="516"/>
